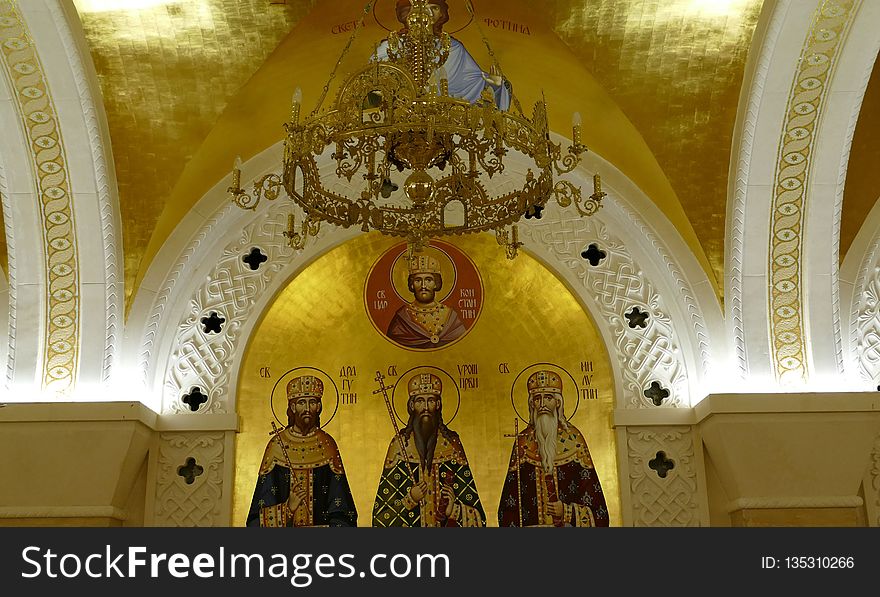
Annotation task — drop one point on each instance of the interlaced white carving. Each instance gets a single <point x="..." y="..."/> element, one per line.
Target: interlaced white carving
<point x="179" y="504"/>
<point x="161" y="301"/>
<point x="203" y="360"/>
<point x="617" y="285"/>
<point x="866" y="316"/>
<point x="669" y="501"/>
<point x="682" y="287"/>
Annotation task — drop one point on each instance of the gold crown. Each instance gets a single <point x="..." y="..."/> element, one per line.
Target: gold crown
<point x="422" y="264"/>
<point x="541" y="382"/>
<point x="424" y="383"/>
<point x="306" y="385"/>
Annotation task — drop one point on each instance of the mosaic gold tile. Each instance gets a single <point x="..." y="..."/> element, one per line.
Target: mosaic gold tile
<point x="675" y="67"/>
<point x="862" y="189"/>
<point x="167" y="69"/>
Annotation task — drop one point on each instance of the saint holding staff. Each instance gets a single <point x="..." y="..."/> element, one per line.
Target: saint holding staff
<point x="302" y="481"/>
<point x="551" y="480"/>
<point x="426" y="479"/>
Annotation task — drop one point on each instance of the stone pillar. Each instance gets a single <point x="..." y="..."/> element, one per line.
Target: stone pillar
<point x="660" y="459"/>
<point x="192" y="471"/>
<point x="791" y="459"/>
<point x="74" y="463"/>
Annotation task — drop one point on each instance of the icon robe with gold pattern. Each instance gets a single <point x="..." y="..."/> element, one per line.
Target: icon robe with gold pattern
<point x="393" y="506"/>
<point x="418" y="327"/>
<point x="317" y="466"/>
<point x="527" y="490"/>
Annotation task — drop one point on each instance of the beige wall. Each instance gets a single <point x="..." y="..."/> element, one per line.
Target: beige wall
<point x="740" y="460"/>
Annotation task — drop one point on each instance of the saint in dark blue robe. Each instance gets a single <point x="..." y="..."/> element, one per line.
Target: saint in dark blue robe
<point x="317" y="467"/>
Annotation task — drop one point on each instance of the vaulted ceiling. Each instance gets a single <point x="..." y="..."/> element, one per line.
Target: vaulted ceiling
<point x="189" y="84"/>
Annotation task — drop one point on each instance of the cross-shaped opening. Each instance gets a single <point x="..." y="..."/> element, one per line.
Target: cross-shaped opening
<point x="656" y="393"/>
<point x="534" y="212"/>
<point x="255" y="258"/>
<point x="190" y="470"/>
<point x="637" y="318"/>
<point x="194" y="399"/>
<point x="594" y="254"/>
<point x="661" y="464"/>
<point x="388" y="187"/>
<point x="213" y="323"/>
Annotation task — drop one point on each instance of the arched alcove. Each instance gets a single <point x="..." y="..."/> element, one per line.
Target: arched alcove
<point x="523" y="315"/>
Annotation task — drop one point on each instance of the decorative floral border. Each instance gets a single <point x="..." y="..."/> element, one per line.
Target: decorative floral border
<point x="806" y="102"/>
<point x="40" y="123"/>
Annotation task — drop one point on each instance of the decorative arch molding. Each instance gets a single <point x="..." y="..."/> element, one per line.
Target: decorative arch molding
<point x="797" y="114"/>
<point x="200" y="270"/>
<point x="860" y="295"/>
<point x="860" y="290"/>
<point x="7" y="295"/>
<point x="64" y="213"/>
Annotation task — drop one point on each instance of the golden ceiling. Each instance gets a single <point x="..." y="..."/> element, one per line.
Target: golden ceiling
<point x="167" y="72"/>
<point x="170" y="68"/>
<point x="675" y="67"/>
<point x="862" y="189"/>
<point x="167" y="69"/>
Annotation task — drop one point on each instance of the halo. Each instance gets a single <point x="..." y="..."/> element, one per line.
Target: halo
<point x="452" y="26"/>
<point x="399" y="399"/>
<point x="399" y="272"/>
<point x="519" y="392"/>
<point x="282" y="398"/>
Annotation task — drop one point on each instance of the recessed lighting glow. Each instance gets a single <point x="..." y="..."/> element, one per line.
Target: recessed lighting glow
<point x="713" y="8"/>
<point x="85" y="6"/>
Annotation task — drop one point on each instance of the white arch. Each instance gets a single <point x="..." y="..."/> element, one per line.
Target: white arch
<point x="58" y="33"/>
<point x="832" y="151"/>
<point x="27" y="264"/>
<point x="199" y="269"/>
<point x="65" y="287"/>
<point x="860" y="295"/>
<point x="7" y="297"/>
<point x="819" y="55"/>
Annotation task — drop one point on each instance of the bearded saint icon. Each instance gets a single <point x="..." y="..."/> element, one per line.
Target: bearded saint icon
<point x="551" y="480"/>
<point x="426" y="479"/>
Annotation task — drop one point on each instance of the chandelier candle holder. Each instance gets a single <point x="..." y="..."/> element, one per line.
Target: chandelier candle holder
<point x="395" y="152"/>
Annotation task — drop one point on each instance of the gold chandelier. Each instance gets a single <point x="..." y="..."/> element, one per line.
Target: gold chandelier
<point x="398" y="153"/>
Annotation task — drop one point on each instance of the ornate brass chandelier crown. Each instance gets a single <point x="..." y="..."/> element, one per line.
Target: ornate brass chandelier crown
<point x="398" y="153"/>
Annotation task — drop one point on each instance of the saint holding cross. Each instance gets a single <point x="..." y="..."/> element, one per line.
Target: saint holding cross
<point x="551" y="480"/>
<point x="302" y="481"/>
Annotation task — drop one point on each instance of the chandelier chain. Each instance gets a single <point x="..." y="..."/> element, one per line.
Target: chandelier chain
<point x="429" y="141"/>
<point x="367" y="8"/>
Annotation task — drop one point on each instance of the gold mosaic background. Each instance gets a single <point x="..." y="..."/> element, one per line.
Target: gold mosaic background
<point x="862" y="185"/>
<point x="166" y="73"/>
<point x="319" y="320"/>
<point x="537" y="63"/>
<point x="675" y="67"/>
<point x="169" y="68"/>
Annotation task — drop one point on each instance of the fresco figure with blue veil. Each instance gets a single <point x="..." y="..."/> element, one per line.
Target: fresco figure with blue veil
<point x="466" y="79"/>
